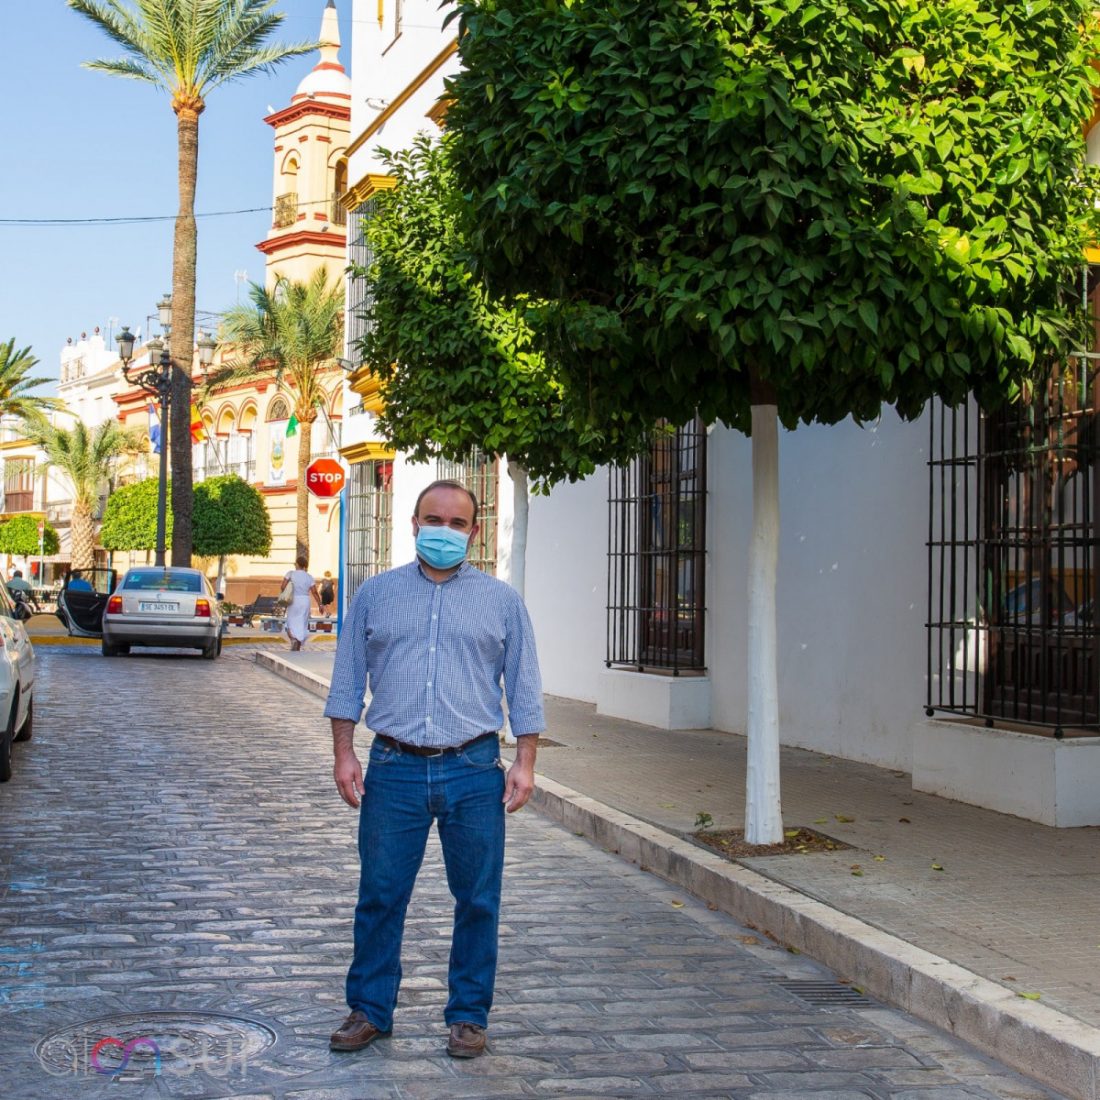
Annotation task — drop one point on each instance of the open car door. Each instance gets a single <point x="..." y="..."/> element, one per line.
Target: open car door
<point x="82" y="600"/>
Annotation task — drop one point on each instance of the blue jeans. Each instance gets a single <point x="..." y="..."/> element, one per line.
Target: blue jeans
<point x="462" y="792"/>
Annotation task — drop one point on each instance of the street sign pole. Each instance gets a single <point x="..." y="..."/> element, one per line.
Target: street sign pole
<point x="41" y="554"/>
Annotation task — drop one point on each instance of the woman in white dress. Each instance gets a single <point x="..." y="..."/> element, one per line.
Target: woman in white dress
<point x="297" y="614"/>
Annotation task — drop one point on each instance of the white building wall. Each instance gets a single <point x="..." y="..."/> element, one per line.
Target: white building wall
<point x="383" y="67"/>
<point x="566" y="590"/>
<point x="851" y="601"/>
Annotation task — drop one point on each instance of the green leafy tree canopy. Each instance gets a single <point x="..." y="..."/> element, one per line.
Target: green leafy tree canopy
<point x="828" y="206"/>
<point x="19" y="535"/>
<point x="130" y="518"/>
<point x="230" y="518"/>
<point x="460" y="370"/>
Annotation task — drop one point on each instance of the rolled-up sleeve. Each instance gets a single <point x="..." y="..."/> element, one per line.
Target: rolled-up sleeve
<point x="349" y="671"/>
<point x="522" y="679"/>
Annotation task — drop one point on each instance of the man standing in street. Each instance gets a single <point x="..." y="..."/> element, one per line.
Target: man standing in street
<point x="434" y="639"/>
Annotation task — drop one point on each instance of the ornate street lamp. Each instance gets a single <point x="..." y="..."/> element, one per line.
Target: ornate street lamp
<point x="155" y="379"/>
<point x="207" y="345"/>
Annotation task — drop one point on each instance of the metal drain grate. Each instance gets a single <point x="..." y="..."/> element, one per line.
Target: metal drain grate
<point x="827" y="994"/>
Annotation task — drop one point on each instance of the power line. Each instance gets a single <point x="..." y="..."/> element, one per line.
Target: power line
<point x="135" y="219"/>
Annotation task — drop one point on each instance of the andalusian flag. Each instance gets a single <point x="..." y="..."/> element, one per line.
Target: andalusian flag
<point x="292" y="426"/>
<point x="198" y="434"/>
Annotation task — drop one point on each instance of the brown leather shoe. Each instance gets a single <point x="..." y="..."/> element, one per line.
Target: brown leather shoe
<point x="466" y="1040"/>
<point x="354" y="1033"/>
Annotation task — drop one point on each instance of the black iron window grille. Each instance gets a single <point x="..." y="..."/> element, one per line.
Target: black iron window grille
<point x="369" y="522"/>
<point x="657" y="556"/>
<point x="1012" y="565"/>
<point x="360" y="293"/>
<point x="480" y="474"/>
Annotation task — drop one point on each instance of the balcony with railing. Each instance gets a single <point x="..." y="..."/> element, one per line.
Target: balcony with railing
<point x="18" y="500"/>
<point x="286" y="209"/>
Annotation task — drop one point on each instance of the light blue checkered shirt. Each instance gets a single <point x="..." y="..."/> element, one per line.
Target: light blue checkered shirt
<point x="434" y="656"/>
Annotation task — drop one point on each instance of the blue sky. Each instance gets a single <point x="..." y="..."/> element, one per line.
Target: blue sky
<point x="81" y="144"/>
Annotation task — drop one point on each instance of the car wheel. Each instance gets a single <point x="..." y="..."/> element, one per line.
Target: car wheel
<point x="213" y="650"/>
<point x="5" y="746"/>
<point x="26" y="731"/>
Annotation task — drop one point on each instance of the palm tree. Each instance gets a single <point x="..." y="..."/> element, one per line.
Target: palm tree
<point x="291" y="333"/>
<point x="15" y="396"/>
<point x="85" y="459"/>
<point x="187" y="48"/>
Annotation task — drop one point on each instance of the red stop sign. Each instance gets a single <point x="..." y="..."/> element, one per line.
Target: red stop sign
<point x="325" y="477"/>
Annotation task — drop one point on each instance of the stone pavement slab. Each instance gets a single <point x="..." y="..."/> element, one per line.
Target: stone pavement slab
<point x="176" y="869"/>
<point x="1000" y="898"/>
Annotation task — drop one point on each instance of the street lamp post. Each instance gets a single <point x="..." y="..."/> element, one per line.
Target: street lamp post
<point x="156" y="380"/>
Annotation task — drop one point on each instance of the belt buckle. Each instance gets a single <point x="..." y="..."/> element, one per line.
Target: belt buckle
<point x="433" y="755"/>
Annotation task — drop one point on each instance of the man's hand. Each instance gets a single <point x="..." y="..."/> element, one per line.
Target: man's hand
<point x="347" y="771"/>
<point x="520" y="780"/>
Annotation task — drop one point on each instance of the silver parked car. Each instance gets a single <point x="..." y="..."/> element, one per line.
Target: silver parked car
<point x="16" y="683"/>
<point x="163" y="606"/>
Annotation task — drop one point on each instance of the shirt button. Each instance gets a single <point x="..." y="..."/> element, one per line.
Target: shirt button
<point x="428" y="721"/>
<point x="429" y="683"/>
<point x="431" y="649"/>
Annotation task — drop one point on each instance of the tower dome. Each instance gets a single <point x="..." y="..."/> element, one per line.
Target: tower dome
<point x="327" y="78"/>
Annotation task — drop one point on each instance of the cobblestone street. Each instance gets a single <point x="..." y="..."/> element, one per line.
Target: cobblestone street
<point x="176" y="868"/>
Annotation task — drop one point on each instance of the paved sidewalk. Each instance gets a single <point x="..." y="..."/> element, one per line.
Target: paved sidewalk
<point x="1006" y="900"/>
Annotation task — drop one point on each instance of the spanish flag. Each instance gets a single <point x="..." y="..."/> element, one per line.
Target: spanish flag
<point x="198" y="433"/>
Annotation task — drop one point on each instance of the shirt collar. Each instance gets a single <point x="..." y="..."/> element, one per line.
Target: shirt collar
<point x="457" y="573"/>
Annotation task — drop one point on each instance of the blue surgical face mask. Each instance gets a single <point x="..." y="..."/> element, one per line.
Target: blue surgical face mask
<point x="441" y="547"/>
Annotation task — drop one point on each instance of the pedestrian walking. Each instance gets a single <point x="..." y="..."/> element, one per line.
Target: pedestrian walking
<point x="435" y="638"/>
<point x="328" y="594"/>
<point x="297" y="614"/>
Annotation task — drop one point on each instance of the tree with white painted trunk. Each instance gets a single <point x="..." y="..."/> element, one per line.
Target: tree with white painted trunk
<point x="461" y="372"/>
<point x="780" y="211"/>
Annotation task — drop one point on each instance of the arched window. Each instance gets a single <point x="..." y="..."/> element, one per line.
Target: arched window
<point x="278" y="409"/>
<point x="338" y="215"/>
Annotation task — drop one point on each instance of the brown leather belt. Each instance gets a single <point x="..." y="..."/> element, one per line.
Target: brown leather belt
<point x="421" y="750"/>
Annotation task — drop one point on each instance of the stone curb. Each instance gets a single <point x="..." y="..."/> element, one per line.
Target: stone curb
<point x="1038" y="1041"/>
<point x="300" y="677"/>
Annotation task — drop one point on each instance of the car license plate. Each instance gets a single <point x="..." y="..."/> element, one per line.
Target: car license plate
<point x="157" y="605"/>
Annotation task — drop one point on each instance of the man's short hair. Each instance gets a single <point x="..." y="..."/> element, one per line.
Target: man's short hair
<point x="445" y="483"/>
<point x="17" y="573"/>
